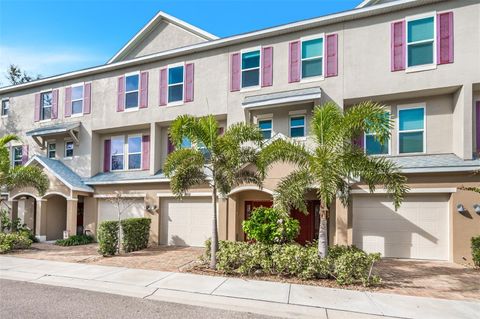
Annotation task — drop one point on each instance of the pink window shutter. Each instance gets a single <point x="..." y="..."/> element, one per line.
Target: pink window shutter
<point x="106" y="155"/>
<point x="163" y="87"/>
<point x="68" y="102"/>
<point x="24" y="154"/>
<point x="445" y="38"/>
<point x="54" y="104"/>
<point x="235" y="72"/>
<point x="294" y="62"/>
<point x="146" y="152"/>
<point x="358" y="141"/>
<point x="189" y="81"/>
<point x="477" y="123"/>
<point x="143" y="90"/>
<point x="121" y="94"/>
<point x="332" y="55"/>
<point x="87" y="98"/>
<point x="398" y="46"/>
<point x="36" y="115"/>
<point x="267" y="66"/>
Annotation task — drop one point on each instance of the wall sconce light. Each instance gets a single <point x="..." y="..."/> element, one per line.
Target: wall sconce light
<point x="476" y="207"/>
<point x="461" y="209"/>
<point x="151" y="208"/>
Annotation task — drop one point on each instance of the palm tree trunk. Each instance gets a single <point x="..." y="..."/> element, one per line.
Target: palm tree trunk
<point x="214" y="245"/>
<point x="322" y="233"/>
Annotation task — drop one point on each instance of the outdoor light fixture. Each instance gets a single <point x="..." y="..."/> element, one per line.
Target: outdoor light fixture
<point x="461" y="209"/>
<point x="476" y="207"/>
<point x="151" y="208"/>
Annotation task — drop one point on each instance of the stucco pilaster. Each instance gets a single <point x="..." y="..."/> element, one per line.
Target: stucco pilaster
<point x="462" y="122"/>
<point x="72" y="216"/>
<point x="232" y="219"/>
<point x="41" y="223"/>
<point x="13" y="204"/>
<point x="341" y="223"/>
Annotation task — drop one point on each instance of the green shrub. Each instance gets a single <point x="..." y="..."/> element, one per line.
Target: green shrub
<point x="136" y="232"/>
<point x="270" y="226"/>
<point x="75" y="240"/>
<point x="108" y="237"/>
<point x="476" y="251"/>
<point x="13" y="241"/>
<point x="353" y="266"/>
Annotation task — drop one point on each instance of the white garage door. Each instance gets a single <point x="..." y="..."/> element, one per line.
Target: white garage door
<point x="108" y="211"/>
<point x="419" y="229"/>
<point x="186" y="222"/>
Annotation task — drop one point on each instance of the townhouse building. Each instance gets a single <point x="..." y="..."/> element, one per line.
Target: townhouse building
<point x="105" y="129"/>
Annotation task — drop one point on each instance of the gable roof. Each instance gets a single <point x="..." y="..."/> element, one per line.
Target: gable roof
<point x="160" y="16"/>
<point x="62" y="172"/>
<point x="368" y="3"/>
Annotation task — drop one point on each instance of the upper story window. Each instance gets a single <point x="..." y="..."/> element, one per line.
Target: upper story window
<point x="68" y="149"/>
<point x="186" y="143"/>
<point x="46" y="105"/>
<point x="132" y="91"/>
<point x="77" y="99"/>
<point x="373" y="146"/>
<point x="126" y="152"/>
<point x="411" y="130"/>
<point x="266" y="128"/>
<point x="175" y="83"/>
<point x="134" y="146"/>
<point x="17" y="154"/>
<point x="312" y="57"/>
<point x="250" y="69"/>
<point x="117" y="152"/>
<point x="421" y="41"/>
<point x="52" y="150"/>
<point x="5" y="107"/>
<point x="297" y="126"/>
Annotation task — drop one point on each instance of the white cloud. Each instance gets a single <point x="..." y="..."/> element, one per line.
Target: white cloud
<point x="47" y="62"/>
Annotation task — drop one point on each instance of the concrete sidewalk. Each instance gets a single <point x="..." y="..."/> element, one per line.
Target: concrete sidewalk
<point x="262" y="297"/>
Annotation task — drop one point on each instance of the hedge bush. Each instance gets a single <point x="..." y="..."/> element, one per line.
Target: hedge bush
<point x="135" y="233"/>
<point x="12" y="241"/>
<point x="75" y="240"/>
<point x="270" y="226"/>
<point x="108" y="237"/>
<point x="476" y="251"/>
<point x="346" y="264"/>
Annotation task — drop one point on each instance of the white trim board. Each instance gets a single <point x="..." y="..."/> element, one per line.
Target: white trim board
<point x="139" y="195"/>
<point x="192" y="194"/>
<point x="411" y="191"/>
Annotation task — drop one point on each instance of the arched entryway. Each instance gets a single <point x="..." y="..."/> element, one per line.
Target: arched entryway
<point x="55" y="216"/>
<point x="24" y="206"/>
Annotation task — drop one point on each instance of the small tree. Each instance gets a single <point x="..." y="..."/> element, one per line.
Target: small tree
<point x="121" y="202"/>
<point x="15" y="75"/>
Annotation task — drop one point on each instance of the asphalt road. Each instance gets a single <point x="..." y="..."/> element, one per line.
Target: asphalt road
<point x="27" y="300"/>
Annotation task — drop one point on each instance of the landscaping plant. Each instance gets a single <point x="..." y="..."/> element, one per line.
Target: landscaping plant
<point x="136" y="232"/>
<point x="76" y="240"/>
<point x="13" y="241"/>
<point x="476" y="251"/>
<point x="108" y="237"/>
<point x="271" y="226"/>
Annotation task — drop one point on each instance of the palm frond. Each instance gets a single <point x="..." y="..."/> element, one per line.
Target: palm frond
<point x="4" y="140"/>
<point x="291" y="191"/>
<point x="325" y="124"/>
<point x="284" y="151"/>
<point x="27" y="176"/>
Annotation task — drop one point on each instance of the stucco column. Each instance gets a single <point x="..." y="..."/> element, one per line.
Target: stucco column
<point x="72" y="216"/>
<point x="462" y="122"/>
<point x="232" y="218"/>
<point x="152" y="200"/>
<point x="13" y="203"/>
<point x="41" y="221"/>
<point x="341" y="223"/>
<point x="155" y="148"/>
<point x="222" y="218"/>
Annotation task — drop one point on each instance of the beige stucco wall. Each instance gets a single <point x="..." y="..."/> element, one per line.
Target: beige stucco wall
<point x="56" y="208"/>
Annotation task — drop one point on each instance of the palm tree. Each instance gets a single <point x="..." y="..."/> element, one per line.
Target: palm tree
<point x="19" y="176"/>
<point x="218" y="160"/>
<point x="334" y="163"/>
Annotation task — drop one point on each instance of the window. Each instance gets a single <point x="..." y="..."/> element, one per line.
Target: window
<point x="5" y="107"/>
<point x="131" y="91"/>
<point x="68" y="149"/>
<point x="17" y="155"/>
<point x="175" y="84"/>
<point x="77" y="99"/>
<point x="186" y="143"/>
<point x="312" y="58"/>
<point x="266" y="128"/>
<point x="117" y="149"/>
<point x="373" y="146"/>
<point x="411" y="130"/>
<point x="251" y="69"/>
<point x="46" y="105"/>
<point x="52" y="150"/>
<point x="135" y="152"/>
<point x="421" y="41"/>
<point x="297" y="126"/>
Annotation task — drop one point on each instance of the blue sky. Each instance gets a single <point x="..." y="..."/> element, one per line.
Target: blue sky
<point x="52" y="37"/>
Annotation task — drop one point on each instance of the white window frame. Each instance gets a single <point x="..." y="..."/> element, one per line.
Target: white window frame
<point x="20" y="162"/>
<point x="7" y="100"/>
<point x="119" y="137"/>
<point x="65" y="149"/>
<point x="125" y="164"/>
<point x="304" y="126"/>
<point x="82" y="99"/>
<point x="256" y="87"/>
<point x="41" y="106"/>
<point x="55" y="150"/>
<point x="182" y="101"/>
<point x="266" y="119"/>
<point x="423" y="67"/>
<point x="130" y="109"/>
<point x="373" y="134"/>
<point x="412" y="106"/>
<point x="318" y="77"/>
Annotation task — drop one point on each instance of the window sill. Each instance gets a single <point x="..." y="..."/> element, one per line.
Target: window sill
<point x="420" y="68"/>
<point x="300" y="138"/>
<point x="411" y="154"/>
<point x="176" y="103"/>
<point x="45" y="121"/>
<point x="312" y="79"/>
<point x="4" y="116"/>
<point x="131" y="109"/>
<point x="77" y="115"/>
<point x="250" y="89"/>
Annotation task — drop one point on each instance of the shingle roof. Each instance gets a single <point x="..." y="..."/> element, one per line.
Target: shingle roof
<point x="62" y="172"/>
<point x="435" y="163"/>
<point x="282" y="97"/>
<point x="53" y="129"/>
<point x="120" y="177"/>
